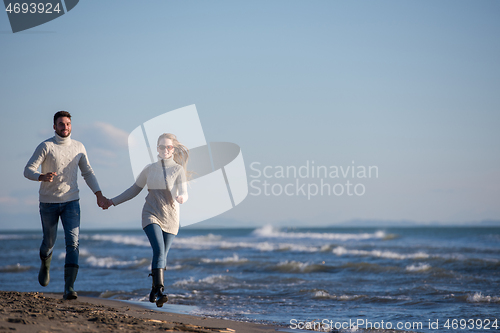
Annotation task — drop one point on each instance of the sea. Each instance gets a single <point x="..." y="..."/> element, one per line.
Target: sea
<point x="339" y="279"/>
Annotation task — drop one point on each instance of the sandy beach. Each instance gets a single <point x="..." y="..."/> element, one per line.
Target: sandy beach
<point x="44" y="312"/>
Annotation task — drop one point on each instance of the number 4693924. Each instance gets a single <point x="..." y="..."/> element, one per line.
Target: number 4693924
<point x="32" y="8"/>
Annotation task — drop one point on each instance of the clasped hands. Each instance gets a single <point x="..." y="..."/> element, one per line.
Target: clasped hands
<point x="102" y="201"/>
<point x="105" y="203"/>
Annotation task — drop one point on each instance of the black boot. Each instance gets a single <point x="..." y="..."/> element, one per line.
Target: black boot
<point x="70" y="272"/>
<point x="157" y="296"/>
<point x="44" y="273"/>
<point x="152" y="293"/>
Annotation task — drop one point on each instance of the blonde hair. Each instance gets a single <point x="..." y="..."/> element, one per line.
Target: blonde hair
<point x="181" y="152"/>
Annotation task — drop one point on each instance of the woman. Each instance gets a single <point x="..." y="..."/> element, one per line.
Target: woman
<point x="166" y="180"/>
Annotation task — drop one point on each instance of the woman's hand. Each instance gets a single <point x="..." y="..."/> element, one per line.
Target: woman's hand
<point x="108" y="203"/>
<point x="180" y="199"/>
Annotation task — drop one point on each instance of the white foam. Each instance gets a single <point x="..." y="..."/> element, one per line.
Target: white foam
<point x="234" y="259"/>
<point x="14" y="268"/>
<point x="184" y="282"/>
<point x="418" y="268"/>
<point x="340" y="250"/>
<point x="480" y="298"/>
<point x="212" y="279"/>
<point x="172" y="268"/>
<point x="272" y="232"/>
<point x="16" y="236"/>
<point x="322" y="294"/>
<point x="347" y="297"/>
<point x="209" y="239"/>
<point x="110" y="262"/>
<point x="119" y="239"/>
<point x="268" y="246"/>
<point x="325" y="294"/>
<point x="295" y="266"/>
<point x="217" y="242"/>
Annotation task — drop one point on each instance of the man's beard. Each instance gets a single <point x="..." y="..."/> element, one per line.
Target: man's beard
<point x="60" y="133"/>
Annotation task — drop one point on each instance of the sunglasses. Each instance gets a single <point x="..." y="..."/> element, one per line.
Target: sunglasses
<point x="162" y="147"/>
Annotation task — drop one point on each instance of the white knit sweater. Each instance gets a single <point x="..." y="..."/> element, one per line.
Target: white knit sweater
<point x="156" y="208"/>
<point x="63" y="156"/>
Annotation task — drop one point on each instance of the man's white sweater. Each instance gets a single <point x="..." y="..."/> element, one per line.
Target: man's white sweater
<point x="63" y="156"/>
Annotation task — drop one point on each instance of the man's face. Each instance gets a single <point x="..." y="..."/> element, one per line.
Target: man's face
<point x="63" y="126"/>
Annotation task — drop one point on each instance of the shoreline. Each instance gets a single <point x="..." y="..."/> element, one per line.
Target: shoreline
<point x="48" y="312"/>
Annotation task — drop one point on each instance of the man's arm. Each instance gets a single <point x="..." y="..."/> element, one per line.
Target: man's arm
<point x="91" y="180"/>
<point x="31" y="168"/>
<point x="102" y="201"/>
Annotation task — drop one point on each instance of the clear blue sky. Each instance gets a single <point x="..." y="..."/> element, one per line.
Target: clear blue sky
<point x="411" y="87"/>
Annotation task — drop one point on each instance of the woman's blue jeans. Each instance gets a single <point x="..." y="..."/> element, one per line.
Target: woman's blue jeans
<point x="160" y="243"/>
<point x="69" y="212"/>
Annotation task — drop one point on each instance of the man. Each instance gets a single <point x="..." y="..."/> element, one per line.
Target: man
<point x="60" y="158"/>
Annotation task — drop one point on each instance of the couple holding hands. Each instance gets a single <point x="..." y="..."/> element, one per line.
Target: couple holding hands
<point x="60" y="157"/>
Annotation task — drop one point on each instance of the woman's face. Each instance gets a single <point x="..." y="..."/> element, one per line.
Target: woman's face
<point x="165" y="148"/>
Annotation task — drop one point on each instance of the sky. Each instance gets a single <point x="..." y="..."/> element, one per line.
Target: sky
<point x="409" y="88"/>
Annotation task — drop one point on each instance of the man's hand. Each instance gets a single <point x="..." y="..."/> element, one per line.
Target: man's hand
<point x="102" y="201"/>
<point x="47" y="177"/>
<point x="180" y="199"/>
<point x="107" y="204"/>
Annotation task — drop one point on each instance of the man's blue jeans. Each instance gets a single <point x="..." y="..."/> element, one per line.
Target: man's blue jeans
<point x="160" y="243"/>
<point x="69" y="212"/>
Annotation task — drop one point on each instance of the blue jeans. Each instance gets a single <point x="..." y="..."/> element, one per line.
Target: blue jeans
<point x="160" y="243"/>
<point x="69" y="212"/>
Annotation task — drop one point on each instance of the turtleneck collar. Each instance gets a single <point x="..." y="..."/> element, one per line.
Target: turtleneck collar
<point x="62" y="141"/>
<point x="168" y="161"/>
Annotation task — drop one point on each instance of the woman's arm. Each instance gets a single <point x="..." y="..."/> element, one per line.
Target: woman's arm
<point x="181" y="183"/>
<point x="128" y="194"/>
<point x="133" y="190"/>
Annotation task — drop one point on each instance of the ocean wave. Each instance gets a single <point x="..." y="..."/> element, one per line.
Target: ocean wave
<point x="14" y="268"/>
<point x="259" y="246"/>
<point x="370" y="267"/>
<point x="480" y="298"/>
<point x="279" y="247"/>
<point x="110" y="262"/>
<point x="301" y="267"/>
<point x="269" y="247"/>
<point x="209" y="239"/>
<point x="272" y="232"/>
<point x="486" y="263"/>
<point x="223" y="280"/>
<point x="323" y="294"/>
<point x="110" y="293"/>
<point x="340" y="250"/>
<point x="184" y="282"/>
<point x="119" y="239"/>
<point x="172" y="268"/>
<point x="234" y="259"/>
<point x="418" y="268"/>
<point x="213" y="279"/>
<point x="18" y="236"/>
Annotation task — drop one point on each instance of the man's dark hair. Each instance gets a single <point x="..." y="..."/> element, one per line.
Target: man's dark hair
<point x="60" y="114"/>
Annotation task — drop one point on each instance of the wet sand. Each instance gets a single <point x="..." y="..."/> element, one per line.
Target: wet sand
<point x="43" y="312"/>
